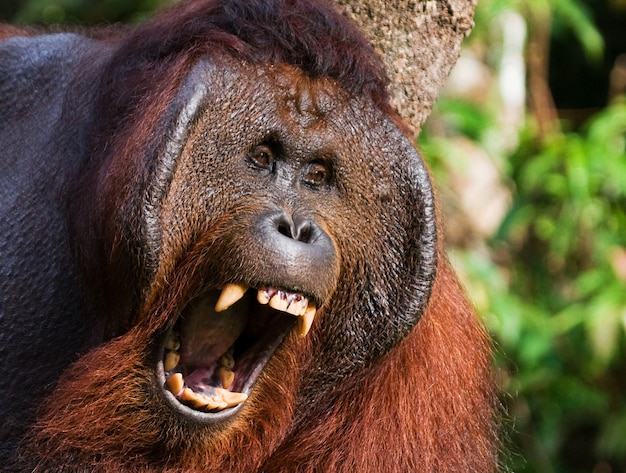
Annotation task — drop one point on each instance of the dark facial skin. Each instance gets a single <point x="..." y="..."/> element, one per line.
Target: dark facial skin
<point x="300" y="150"/>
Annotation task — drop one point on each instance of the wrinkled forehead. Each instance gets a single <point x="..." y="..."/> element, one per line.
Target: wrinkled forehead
<point x="279" y="102"/>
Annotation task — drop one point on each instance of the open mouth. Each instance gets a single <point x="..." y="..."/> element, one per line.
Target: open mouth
<point x="220" y="344"/>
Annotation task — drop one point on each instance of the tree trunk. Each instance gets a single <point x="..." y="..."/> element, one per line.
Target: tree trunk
<point x="420" y="41"/>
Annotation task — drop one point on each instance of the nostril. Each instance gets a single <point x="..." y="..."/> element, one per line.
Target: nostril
<point x="296" y="229"/>
<point x="284" y="227"/>
<point x="304" y="230"/>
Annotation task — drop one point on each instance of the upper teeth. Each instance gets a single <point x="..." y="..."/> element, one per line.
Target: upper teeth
<point x="294" y="304"/>
<point x="230" y="294"/>
<point x="306" y="320"/>
<point x="217" y="398"/>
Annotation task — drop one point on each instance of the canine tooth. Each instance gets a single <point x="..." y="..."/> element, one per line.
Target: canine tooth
<point x="306" y="320"/>
<point x="230" y="294"/>
<point x="227" y="377"/>
<point x="175" y="383"/>
<point x="172" y="342"/>
<point x="231" y="398"/>
<point x="227" y="360"/>
<point x="171" y="360"/>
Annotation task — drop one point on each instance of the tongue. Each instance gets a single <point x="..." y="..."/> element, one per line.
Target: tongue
<point x="205" y="335"/>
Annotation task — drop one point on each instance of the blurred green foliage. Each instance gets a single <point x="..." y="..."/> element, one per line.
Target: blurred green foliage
<point x="551" y="286"/>
<point x="551" y="281"/>
<point x="80" y="12"/>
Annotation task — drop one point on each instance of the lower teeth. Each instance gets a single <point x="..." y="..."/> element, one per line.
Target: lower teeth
<point x="227" y="377"/>
<point x="217" y="399"/>
<point x="214" y="397"/>
<point x="171" y="360"/>
<point x="215" y="394"/>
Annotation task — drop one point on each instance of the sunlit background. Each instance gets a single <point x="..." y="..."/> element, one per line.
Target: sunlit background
<point x="527" y="144"/>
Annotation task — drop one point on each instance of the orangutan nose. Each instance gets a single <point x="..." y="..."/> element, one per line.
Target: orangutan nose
<point x="298" y="250"/>
<point x="298" y="229"/>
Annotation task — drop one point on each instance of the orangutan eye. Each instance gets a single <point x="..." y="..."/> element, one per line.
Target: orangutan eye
<point x="317" y="174"/>
<point x="263" y="157"/>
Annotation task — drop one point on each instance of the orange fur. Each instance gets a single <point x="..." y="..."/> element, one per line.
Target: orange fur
<point x="428" y="405"/>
